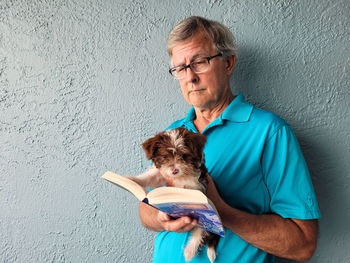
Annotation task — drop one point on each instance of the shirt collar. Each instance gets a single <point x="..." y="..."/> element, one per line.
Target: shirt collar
<point x="237" y="111"/>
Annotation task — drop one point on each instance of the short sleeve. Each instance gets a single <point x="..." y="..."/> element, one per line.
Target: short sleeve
<point x="287" y="177"/>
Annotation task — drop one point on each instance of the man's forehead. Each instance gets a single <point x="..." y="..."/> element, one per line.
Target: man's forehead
<point x="198" y="45"/>
<point x="185" y="55"/>
<point x="181" y="60"/>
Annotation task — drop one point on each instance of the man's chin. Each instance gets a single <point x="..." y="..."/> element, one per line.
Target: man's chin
<point x="197" y="101"/>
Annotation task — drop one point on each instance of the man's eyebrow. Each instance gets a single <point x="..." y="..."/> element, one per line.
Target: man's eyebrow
<point x="198" y="55"/>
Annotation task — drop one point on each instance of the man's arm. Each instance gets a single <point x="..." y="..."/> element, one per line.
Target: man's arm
<point x="287" y="238"/>
<point x="157" y="220"/>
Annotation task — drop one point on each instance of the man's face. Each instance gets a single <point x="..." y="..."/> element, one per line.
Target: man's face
<point x="203" y="90"/>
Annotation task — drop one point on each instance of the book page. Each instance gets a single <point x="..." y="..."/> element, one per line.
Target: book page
<point x="137" y="190"/>
<point x="175" y="194"/>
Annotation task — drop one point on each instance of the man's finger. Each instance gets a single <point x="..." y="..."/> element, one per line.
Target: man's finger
<point x="163" y="217"/>
<point x="188" y="227"/>
<point x="180" y="225"/>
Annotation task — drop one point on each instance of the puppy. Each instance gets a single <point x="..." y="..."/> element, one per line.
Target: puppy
<point x="178" y="161"/>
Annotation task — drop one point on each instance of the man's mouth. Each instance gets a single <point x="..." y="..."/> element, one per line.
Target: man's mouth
<point x="196" y="90"/>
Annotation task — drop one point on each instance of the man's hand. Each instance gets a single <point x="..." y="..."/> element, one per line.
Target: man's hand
<point x="212" y="192"/>
<point x="180" y="225"/>
<point x="284" y="237"/>
<point x="157" y="220"/>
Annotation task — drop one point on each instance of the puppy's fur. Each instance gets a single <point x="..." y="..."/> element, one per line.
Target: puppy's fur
<point x="178" y="161"/>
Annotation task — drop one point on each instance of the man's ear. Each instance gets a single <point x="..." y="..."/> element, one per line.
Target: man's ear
<point x="230" y="62"/>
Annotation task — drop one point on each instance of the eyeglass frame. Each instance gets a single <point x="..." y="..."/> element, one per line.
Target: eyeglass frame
<point x="189" y="65"/>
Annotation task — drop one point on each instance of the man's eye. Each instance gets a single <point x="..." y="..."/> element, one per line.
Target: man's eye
<point x="199" y="62"/>
<point x="179" y="70"/>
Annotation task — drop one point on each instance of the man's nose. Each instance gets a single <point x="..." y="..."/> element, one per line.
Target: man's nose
<point x="191" y="76"/>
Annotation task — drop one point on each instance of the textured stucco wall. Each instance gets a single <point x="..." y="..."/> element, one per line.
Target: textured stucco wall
<point x="83" y="83"/>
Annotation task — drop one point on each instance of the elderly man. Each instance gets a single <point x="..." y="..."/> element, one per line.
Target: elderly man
<point x="266" y="202"/>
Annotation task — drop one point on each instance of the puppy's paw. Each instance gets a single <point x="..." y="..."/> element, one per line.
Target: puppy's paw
<point x="138" y="180"/>
<point x="190" y="252"/>
<point x="132" y="178"/>
<point x="211" y="253"/>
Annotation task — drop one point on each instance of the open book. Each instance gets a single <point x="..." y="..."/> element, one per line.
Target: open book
<point x="176" y="202"/>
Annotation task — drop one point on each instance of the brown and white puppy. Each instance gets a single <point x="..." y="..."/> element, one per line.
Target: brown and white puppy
<point x="178" y="161"/>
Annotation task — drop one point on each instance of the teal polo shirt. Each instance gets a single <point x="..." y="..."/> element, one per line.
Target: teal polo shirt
<point x="256" y="162"/>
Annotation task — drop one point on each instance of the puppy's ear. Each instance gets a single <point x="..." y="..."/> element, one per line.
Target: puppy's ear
<point x="199" y="141"/>
<point x="196" y="141"/>
<point x="150" y="147"/>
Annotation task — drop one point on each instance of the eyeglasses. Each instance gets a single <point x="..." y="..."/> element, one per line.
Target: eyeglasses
<point x="199" y="65"/>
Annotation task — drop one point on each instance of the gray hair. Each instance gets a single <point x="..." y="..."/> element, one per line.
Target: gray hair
<point x="221" y="37"/>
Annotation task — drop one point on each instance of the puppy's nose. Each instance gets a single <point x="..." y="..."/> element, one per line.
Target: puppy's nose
<point x="174" y="170"/>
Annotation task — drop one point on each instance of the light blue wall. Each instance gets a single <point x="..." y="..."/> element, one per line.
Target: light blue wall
<point x="83" y="83"/>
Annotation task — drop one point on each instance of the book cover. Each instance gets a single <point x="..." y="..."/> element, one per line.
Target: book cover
<point x="174" y="201"/>
<point x="204" y="213"/>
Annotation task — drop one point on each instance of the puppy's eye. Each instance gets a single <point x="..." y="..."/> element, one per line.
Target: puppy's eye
<point x="162" y="158"/>
<point x="186" y="157"/>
